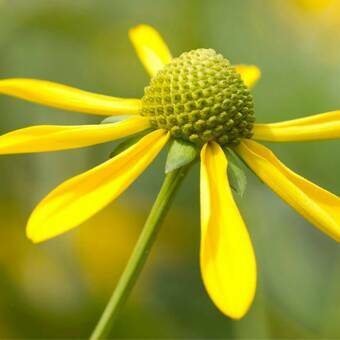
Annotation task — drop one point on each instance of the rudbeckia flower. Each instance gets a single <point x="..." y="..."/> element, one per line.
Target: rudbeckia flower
<point x="198" y="98"/>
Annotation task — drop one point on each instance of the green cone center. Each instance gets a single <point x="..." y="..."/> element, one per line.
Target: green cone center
<point x="200" y="97"/>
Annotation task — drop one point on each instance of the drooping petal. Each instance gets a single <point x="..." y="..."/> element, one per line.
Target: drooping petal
<point x="317" y="127"/>
<point x="227" y="258"/>
<point x="151" y="48"/>
<point x="250" y="74"/>
<point x="317" y="205"/>
<point x="67" y="98"/>
<point x="79" y="198"/>
<point x="58" y="137"/>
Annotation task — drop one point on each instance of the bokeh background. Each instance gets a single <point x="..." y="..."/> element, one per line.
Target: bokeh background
<point x="58" y="289"/>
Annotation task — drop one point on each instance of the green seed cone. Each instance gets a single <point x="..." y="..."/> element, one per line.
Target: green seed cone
<point x="199" y="97"/>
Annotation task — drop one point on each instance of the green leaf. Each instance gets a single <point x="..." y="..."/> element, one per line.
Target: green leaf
<point x="115" y="119"/>
<point x="128" y="142"/>
<point x="180" y="154"/>
<point x="236" y="175"/>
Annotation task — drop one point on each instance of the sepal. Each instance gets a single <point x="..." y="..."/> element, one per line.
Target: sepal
<point x="236" y="175"/>
<point x="128" y="142"/>
<point x="115" y="119"/>
<point x="180" y="154"/>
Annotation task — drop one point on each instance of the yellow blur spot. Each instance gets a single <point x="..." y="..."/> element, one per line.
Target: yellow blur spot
<point x="313" y="5"/>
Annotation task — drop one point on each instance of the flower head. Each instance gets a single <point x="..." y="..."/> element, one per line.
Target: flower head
<point x="198" y="98"/>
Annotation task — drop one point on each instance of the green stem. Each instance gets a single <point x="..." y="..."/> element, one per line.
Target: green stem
<point x="140" y="252"/>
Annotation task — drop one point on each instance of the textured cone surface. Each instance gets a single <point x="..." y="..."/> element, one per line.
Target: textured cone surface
<point x="200" y="97"/>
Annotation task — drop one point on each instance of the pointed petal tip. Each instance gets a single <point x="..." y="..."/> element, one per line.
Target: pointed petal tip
<point x="142" y="28"/>
<point x="150" y="47"/>
<point x="250" y="74"/>
<point x="35" y="232"/>
<point x="33" y="235"/>
<point x="139" y="27"/>
<point x="35" y="241"/>
<point x="236" y="312"/>
<point x="239" y="314"/>
<point x="239" y="305"/>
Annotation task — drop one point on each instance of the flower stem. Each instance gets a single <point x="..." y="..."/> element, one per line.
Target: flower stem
<point x="140" y="252"/>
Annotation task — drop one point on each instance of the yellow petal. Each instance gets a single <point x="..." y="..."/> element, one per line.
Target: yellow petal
<point x="317" y="127"/>
<point x="58" y="137"/>
<point x="79" y="198"/>
<point x="227" y="258"/>
<point x="317" y="205"/>
<point x="68" y="98"/>
<point x="151" y="48"/>
<point x="250" y="74"/>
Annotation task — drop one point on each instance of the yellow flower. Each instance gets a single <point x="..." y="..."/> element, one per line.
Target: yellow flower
<point x="212" y="90"/>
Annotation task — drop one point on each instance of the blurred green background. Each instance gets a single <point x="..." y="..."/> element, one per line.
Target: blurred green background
<point x="58" y="289"/>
